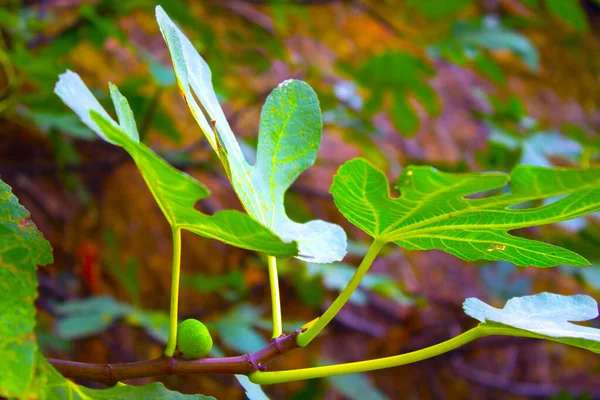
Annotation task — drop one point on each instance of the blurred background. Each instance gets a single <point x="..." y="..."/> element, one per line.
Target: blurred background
<point x="463" y="85"/>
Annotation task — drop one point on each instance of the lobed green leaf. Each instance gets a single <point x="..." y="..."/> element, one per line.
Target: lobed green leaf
<point x="175" y="192"/>
<point x="289" y="137"/>
<point x="435" y="212"/>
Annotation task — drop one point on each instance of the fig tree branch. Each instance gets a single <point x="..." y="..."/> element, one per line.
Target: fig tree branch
<point x="110" y="374"/>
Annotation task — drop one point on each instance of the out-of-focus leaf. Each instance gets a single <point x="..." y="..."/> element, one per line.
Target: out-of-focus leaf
<point x="9" y="19"/>
<point x="282" y="11"/>
<point x="163" y="122"/>
<point x="91" y="316"/>
<point x="588" y="140"/>
<point x="585" y="242"/>
<point x="347" y="92"/>
<point x="401" y="75"/>
<point x="501" y="280"/>
<point x="493" y="36"/>
<point x="438" y="8"/>
<point x="435" y="211"/>
<point x="403" y="116"/>
<point x="237" y="329"/>
<point x="83" y="318"/>
<point x="253" y="391"/>
<point x="214" y="284"/>
<point x="539" y="147"/>
<point x="530" y="3"/>
<point x="355" y="386"/>
<point x="163" y="75"/>
<point x="126" y="273"/>
<point x="487" y="34"/>
<point x="310" y="291"/>
<point x="535" y="147"/>
<point x="52" y="385"/>
<point x="569" y="11"/>
<point x="156" y="323"/>
<point x="65" y="153"/>
<point x="290" y="133"/>
<point x="513" y="109"/>
<point x="357" y="248"/>
<point x="489" y="68"/>
<point x="22" y="249"/>
<point x="336" y="277"/>
<point x="66" y="123"/>
<point x="499" y="157"/>
<point x="107" y="26"/>
<point x="591" y="275"/>
<point x="544" y="316"/>
<point x="175" y="192"/>
<point x="576" y="133"/>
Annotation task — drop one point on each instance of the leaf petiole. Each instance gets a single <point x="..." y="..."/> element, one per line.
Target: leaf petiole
<point x="275" y="301"/>
<point x="267" y="378"/>
<point x="173" y="317"/>
<point x="307" y="336"/>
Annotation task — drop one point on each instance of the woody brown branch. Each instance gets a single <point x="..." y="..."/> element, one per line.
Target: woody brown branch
<point x="110" y="374"/>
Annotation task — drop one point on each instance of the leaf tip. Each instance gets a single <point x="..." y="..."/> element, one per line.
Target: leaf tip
<point x="473" y="308"/>
<point x="160" y="12"/>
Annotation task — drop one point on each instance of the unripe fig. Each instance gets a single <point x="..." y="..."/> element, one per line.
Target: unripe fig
<point x="193" y="339"/>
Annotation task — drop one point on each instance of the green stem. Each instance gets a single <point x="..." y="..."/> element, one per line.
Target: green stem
<point x="173" y="317"/>
<point x="267" y="378"/>
<point x="275" y="302"/>
<point x="306" y="337"/>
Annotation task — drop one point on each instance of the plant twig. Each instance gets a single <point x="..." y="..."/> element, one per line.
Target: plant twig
<point x="110" y="374"/>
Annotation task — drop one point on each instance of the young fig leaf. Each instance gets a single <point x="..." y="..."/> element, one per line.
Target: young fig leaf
<point x="544" y="316"/>
<point x="435" y="212"/>
<point x="290" y="133"/>
<point x="175" y="192"/>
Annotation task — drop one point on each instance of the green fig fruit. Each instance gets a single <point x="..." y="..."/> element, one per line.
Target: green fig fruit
<point x="193" y="339"/>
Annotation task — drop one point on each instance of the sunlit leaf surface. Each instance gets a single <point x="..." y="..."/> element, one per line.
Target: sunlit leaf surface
<point x="545" y="315"/>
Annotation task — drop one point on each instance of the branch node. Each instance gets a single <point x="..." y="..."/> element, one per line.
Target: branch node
<point x="170" y="364"/>
<point x="110" y="376"/>
<point x="253" y="362"/>
<point x="277" y="342"/>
